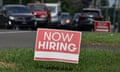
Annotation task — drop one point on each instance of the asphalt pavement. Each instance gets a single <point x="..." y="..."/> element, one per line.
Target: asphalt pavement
<point x="17" y="39"/>
<point x="26" y="39"/>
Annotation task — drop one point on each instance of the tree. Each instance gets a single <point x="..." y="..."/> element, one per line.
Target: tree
<point x="51" y="1"/>
<point x="16" y="1"/>
<point x="85" y="3"/>
<point x="10" y="2"/>
<point x="76" y="5"/>
<point x="104" y="2"/>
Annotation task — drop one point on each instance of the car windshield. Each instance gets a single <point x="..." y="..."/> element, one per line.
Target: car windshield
<point x="65" y="16"/>
<point x="52" y="8"/>
<point x="37" y="7"/>
<point x="76" y="16"/>
<point x="18" y="9"/>
<point x="94" y="13"/>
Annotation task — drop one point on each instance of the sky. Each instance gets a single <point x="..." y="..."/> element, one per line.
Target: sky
<point x="111" y="2"/>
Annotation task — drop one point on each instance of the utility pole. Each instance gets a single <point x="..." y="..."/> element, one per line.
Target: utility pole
<point x="114" y="15"/>
<point x="93" y="3"/>
<point x="118" y="15"/>
<point x="96" y="3"/>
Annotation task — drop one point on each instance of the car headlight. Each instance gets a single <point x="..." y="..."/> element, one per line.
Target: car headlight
<point x="11" y="17"/>
<point x="67" y="21"/>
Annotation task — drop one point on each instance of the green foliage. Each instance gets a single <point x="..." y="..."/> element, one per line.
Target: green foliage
<point x="85" y="3"/>
<point x="51" y="1"/>
<point x="10" y="2"/>
<point x="104" y="2"/>
<point x="110" y="39"/>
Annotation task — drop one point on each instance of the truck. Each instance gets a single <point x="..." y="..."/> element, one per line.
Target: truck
<point x="55" y="10"/>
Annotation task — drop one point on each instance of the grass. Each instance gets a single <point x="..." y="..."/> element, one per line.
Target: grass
<point x="108" y="39"/>
<point x="21" y="60"/>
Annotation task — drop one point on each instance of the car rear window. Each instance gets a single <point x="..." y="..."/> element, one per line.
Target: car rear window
<point x="94" y="13"/>
<point x="18" y="9"/>
<point x="65" y="16"/>
<point x="37" y="7"/>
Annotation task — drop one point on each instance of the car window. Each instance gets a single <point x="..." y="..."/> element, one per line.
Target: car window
<point x="76" y="16"/>
<point x="18" y="9"/>
<point x="37" y="7"/>
<point x="95" y="13"/>
<point x="52" y="9"/>
<point x="65" y="16"/>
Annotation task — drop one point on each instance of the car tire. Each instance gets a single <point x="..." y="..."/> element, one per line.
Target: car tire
<point x="7" y="25"/>
<point x="15" y="27"/>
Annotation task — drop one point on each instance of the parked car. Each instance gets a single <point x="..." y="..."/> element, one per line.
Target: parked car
<point x="15" y="16"/>
<point x="87" y="18"/>
<point x="41" y="12"/>
<point x="65" y="20"/>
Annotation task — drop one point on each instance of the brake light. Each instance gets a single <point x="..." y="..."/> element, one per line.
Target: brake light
<point x="82" y="16"/>
<point x="34" y="13"/>
<point x="99" y="17"/>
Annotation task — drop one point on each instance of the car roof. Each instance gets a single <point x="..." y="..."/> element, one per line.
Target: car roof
<point x="36" y="4"/>
<point x="12" y="5"/>
<point x="52" y="4"/>
<point x="94" y="9"/>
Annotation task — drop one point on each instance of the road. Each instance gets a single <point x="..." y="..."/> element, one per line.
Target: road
<point x="26" y="39"/>
<point x="17" y="39"/>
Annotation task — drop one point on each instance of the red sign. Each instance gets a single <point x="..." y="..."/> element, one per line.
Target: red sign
<point x="102" y="26"/>
<point x="57" y="45"/>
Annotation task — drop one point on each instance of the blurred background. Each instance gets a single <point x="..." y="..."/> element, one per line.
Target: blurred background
<point x="110" y="8"/>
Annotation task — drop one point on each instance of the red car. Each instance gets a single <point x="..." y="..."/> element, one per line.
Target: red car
<point x="41" y="12"/>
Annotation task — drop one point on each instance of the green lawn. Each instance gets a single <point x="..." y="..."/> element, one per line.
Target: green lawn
<point x="21" y="60"/>
<point x="100" y="38"/>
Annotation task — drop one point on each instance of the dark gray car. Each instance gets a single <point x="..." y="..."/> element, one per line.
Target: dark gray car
<point x="15" y="16"/>
<point x="65" y="20"/>
<point x="87" y="18"/>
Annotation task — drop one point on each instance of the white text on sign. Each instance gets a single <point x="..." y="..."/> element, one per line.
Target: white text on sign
<point x="55" y="44"/>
